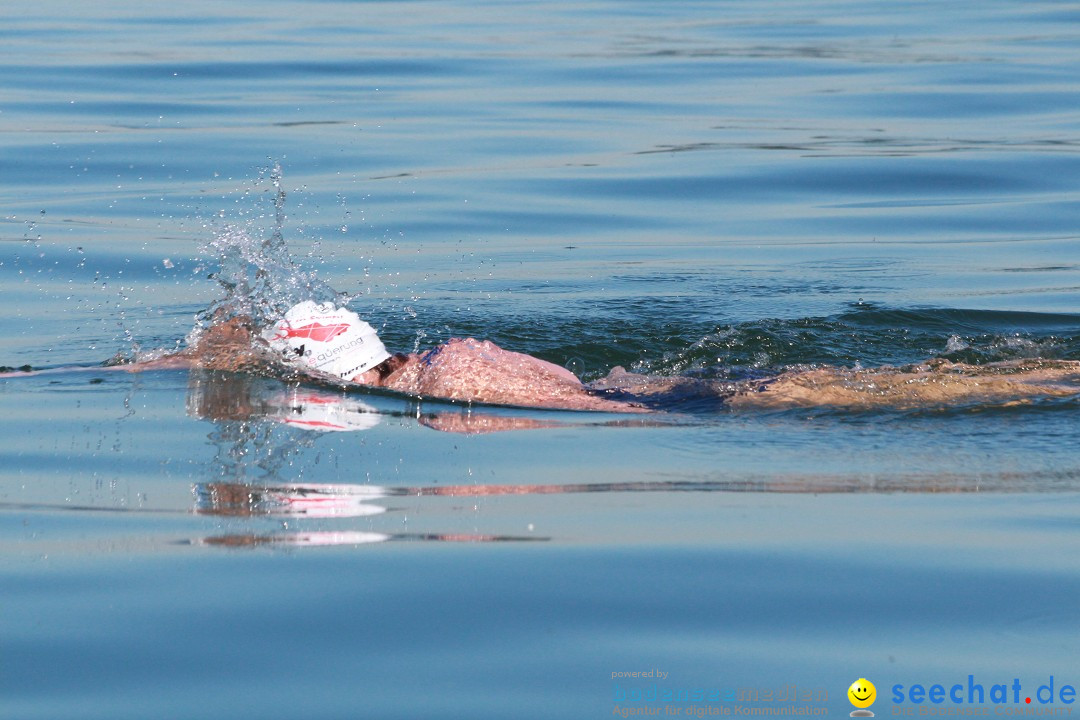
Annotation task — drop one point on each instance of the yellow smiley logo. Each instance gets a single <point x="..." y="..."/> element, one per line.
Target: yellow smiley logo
<point x="862" y="693"/>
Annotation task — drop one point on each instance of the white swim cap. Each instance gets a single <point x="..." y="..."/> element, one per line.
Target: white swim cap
<point x="328" y="339"/>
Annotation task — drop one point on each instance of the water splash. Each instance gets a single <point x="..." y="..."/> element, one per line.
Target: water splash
<point x="259" y="276"/>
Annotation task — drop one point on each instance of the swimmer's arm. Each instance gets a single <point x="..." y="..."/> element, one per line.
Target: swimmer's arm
<point x="170" y="362"/>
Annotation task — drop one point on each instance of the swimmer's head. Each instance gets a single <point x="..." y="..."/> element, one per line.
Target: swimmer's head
<point x="327" y="339"/>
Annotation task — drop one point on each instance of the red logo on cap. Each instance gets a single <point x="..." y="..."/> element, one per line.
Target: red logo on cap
<point x="315" y="331"/>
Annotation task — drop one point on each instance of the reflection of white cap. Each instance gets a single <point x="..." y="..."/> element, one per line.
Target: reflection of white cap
<point x="323" y="411"/>
<point x="323" y="501"/>
<point x="288" y="500"/>
<point x="331" y="340"/>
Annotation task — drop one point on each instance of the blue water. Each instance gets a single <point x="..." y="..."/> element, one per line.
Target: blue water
<point x="708" y="188"/>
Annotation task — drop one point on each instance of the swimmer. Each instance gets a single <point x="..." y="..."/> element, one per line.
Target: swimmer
<point x="331" y="344"/>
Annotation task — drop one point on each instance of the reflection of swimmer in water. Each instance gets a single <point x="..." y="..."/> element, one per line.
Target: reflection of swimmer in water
<point x="331" y="343"/>
<point x="228" y="397"/>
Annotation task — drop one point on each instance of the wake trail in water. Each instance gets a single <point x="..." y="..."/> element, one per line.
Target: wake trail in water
<point x="868" y="336"/>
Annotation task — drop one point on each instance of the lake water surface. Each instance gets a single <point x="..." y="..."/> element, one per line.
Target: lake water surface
<point x="720" y="189"/>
